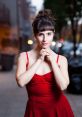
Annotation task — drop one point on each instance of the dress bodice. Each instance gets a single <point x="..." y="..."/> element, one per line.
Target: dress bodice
<point x="43" y="86"/>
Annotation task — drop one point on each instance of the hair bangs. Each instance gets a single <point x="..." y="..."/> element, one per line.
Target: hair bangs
<point x="43" y="26"/>
<point x="44" y="21"/>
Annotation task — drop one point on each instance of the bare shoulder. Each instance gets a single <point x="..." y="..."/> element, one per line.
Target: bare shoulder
<point x="22" y="55"/>
<point x="30" y="52"/>
<point x="62" y="60"/>
<point x="31" y="55"/>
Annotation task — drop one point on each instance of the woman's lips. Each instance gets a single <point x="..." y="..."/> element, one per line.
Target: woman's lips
<point x="44" y="43"/>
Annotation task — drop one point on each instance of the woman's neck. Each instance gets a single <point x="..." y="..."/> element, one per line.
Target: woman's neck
<point x="37" y="48"/>
<point x="36" y="51"/>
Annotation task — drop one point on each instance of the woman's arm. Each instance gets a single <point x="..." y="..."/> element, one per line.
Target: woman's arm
<point x="24" y="76"/>
<point x="60" y="73"/>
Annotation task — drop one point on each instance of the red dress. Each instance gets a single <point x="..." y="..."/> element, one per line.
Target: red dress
<point x="45" y="99"/>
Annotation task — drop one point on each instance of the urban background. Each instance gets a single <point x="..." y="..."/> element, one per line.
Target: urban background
<point x="16" y="17"/>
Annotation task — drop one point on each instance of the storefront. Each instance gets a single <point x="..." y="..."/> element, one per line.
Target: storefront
<point x="15" y="28"/>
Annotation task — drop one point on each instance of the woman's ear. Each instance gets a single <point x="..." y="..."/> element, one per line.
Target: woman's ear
<point x="34" y="39"/>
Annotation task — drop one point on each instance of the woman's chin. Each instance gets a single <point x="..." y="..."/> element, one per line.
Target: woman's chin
<point x="45" y="46"/>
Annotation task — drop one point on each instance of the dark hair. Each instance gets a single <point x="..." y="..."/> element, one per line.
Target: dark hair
<point x="43" y="21"/>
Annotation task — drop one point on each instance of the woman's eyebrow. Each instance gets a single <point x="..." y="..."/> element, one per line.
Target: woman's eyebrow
<point x="41" y="33"/>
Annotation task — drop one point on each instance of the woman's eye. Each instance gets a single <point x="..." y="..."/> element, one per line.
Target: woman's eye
<point x="40" y="34"/>
<point x="48" y="33"/>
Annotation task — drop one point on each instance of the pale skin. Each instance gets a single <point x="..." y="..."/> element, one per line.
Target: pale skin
<point x="42" y="60"/>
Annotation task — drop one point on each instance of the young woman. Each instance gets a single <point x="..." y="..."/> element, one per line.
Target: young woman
<point x="44" y="73"/>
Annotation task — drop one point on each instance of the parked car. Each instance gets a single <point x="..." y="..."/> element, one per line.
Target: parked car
<point x="74" y="66"/>
<point x="75" y="75"/>
<point x="79" y="50"/>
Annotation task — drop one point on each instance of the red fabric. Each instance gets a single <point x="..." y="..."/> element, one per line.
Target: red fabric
<point x="45" y="99"/>
<point x="27" y="60"/>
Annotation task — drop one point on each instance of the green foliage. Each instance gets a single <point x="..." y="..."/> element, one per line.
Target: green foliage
<point x="63" y="9"/>
<point x="58" y="9"/>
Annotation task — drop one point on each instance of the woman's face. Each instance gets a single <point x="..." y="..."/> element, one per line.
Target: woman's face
<point x="44" y="38"/>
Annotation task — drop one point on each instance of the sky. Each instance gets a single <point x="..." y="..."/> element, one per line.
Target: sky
<point x="38" y="4"/>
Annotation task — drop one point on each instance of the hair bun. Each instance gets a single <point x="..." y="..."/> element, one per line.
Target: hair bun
<point x="47" y="13"/>
<point x="43" y="21"/>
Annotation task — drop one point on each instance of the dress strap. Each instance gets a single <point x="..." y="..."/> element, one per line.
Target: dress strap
<point x="57" y="58"/>
<point x="27" y="60"/>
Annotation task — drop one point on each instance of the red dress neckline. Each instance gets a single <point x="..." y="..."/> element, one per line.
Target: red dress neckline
<point x="44" y="74"/>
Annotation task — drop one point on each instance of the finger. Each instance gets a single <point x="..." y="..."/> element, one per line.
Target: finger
<point x="45" y="54"/>
<point x="43" y="50"/>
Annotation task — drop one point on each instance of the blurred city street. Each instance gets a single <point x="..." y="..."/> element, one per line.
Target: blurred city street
<point x="17" y="35"/>
<point x="13" y="99"/>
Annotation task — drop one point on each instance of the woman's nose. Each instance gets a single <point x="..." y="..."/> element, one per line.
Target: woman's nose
<point x="44" y="37"/>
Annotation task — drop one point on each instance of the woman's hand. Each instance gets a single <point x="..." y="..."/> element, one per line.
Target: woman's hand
<point x="43" y="54"/>
<point x="46" y="54"/>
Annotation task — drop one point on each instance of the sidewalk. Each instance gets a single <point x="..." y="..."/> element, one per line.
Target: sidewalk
<point x="13" y="99"/>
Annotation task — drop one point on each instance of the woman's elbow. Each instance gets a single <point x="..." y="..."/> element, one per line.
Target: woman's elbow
<point x="20" y="83"/>
<point x="64" y="87"/>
